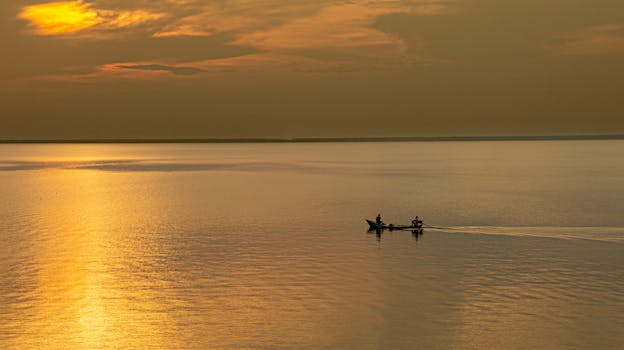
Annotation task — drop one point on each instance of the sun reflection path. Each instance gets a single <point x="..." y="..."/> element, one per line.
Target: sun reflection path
<point x="91" y="291"/>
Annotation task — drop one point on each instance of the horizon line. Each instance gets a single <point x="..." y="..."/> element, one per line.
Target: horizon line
<point x="319" y="139"/>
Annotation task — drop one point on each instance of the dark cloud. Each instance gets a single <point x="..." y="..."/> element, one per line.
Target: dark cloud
<point x="24" y="56"/>
<point x="159" y="67"/>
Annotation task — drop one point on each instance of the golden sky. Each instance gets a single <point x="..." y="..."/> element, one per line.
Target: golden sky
<point x="277" y="68"/>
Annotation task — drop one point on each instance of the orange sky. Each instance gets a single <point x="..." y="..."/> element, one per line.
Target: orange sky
<point x="276" y="68"/>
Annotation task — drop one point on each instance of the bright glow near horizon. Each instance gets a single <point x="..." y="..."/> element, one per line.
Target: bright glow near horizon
<point x="60" y="17"/>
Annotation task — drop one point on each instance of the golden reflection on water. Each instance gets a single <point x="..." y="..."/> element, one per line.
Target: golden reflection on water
<point x="109" y="273"/>
<point x="77" y="303"/>
<point x="236" y="259"/>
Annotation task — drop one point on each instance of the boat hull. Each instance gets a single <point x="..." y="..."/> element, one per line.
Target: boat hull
<point x="375" y="226"/>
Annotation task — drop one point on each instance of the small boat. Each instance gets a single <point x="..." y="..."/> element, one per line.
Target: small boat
<point x="375" y="226"/>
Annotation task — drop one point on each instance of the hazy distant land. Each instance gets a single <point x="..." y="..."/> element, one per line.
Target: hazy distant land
<point x="323" y="139"/>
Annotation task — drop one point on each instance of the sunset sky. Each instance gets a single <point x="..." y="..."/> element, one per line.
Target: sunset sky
<point x="297" y="68"/>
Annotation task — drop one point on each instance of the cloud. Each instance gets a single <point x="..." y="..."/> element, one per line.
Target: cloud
<point x="300" y="24"/>
<point x="60" y="17"/>
<point x="158" y="67"/>
<point x="266" y="25"/>
<point x="323" y="35"/>
<point x="597" y="40"/>
<point x="79" y="18"/>
<point x="343" y="30"/>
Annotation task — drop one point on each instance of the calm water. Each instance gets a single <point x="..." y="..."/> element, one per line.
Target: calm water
<point x="263" y="246"/>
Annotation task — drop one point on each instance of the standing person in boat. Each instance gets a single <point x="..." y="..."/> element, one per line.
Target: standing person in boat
<point x="378" y="219"/>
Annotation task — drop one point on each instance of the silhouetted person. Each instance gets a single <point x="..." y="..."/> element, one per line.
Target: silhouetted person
<point x="415" y="221"/>
<point x="378" y="219"/>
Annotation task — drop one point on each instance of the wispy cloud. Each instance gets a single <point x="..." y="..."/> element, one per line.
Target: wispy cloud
<point x="596" y="40"/>
<point x="271" y="24"/>
<point x="280" y="30"/>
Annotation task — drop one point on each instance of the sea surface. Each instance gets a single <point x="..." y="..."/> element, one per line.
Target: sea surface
<point x="264" y="246"/>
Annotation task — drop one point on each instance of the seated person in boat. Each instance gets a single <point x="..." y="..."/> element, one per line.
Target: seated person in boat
<point x="378" y="219"/>
<point x="416" y="222"/>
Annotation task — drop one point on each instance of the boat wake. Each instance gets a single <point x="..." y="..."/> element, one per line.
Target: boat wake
<point x="605" y="234"/>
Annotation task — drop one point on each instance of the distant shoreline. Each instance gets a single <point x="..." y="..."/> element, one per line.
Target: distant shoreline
<point x="321" y="139"/>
